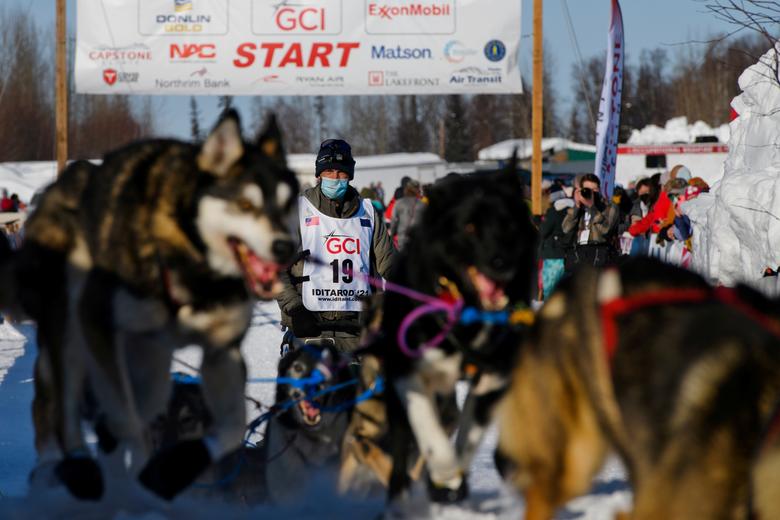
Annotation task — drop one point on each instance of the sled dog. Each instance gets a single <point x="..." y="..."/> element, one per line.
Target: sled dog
<point x="474" y="243"/>
<point x="681" y="380"/>
<point x="164" y="244"/>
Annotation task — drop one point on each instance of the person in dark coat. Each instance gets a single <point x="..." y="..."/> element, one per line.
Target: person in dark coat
<point x="553" y="250"/>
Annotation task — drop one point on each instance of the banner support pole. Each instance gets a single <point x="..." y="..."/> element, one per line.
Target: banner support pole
<point x="61" y="87"/>
<point x="537" y="119"/>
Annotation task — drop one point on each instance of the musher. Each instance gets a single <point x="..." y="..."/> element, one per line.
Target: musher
<point x="343" y="238"/>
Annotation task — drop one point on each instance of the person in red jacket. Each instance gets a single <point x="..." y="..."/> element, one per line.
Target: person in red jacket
<point x="6" y="204"/>
<point x="658" y="213"/>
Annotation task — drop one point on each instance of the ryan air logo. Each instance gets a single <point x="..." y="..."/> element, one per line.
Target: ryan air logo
<point x="338" y="244"/>
<point x="495" y="50"/>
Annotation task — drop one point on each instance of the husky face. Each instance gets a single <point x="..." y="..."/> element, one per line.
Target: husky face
<point x="308" y="414"/>
<point x="478" y="234"/>
<point x="247" y="215"/>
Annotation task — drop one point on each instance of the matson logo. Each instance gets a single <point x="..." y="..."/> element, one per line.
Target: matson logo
<point x="296" y="54"/>
<point x="192" y="51"/>
<point x="336" y="244"/>
<point x="388" y="12"/>
<point x="296" y="17"/>
<point x="380" y="52"/>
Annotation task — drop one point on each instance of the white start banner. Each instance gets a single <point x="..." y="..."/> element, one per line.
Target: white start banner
<point x="298" y="47"/>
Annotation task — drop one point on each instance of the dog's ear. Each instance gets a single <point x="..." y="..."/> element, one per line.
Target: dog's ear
<point x="270" y="141"/>
<point x="224" y="145"/>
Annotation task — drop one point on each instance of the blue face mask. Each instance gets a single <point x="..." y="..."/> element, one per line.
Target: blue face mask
<point x="333" y="188"/>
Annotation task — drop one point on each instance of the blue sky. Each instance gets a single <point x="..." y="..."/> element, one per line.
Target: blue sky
<point x="648" y="24"/>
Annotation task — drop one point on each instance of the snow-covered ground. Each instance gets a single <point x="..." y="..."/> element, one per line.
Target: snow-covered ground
<point x="261" y="349"/>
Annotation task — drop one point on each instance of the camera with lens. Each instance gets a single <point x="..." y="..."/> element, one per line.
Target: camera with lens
<point x="586" y="193"/>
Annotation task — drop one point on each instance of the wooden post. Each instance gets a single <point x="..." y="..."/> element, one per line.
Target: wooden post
<point x="537" y="119"/>
<point x="61" y="86"/>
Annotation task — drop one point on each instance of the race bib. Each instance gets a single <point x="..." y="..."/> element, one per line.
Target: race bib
<point x="337" y="268"/>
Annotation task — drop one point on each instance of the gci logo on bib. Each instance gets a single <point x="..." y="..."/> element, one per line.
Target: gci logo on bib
<point x="404" y="17"/>
<point x="296" y="17"/>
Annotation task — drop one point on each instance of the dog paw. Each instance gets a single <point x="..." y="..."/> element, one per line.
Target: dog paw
<point x="82" y="477"/>
<point x="168" y="473"/>
<point x="447" y="495"/>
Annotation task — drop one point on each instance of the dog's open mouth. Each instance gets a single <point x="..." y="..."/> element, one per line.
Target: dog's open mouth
<point x="262" y="276"/>
<point x="491" y="293"/>
<point x="310" y="413"/>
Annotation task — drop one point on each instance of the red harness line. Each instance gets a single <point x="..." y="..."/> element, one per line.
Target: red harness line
<point x="613" y="309"/>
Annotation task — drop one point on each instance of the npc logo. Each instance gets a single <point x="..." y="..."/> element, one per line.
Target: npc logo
<point x="495" y="50"/>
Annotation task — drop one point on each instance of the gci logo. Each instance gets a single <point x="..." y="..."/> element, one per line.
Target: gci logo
<point x="296" y="17"/>
<point x="340" y="244"/>
<point x="200" y="51"/>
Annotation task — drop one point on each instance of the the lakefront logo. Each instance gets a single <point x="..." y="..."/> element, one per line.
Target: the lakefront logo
<point x="177" y="17"/>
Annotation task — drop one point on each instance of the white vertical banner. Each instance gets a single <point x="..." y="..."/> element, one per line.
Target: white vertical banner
<point x="298" y="47"/>
<point x="609" y="108"/>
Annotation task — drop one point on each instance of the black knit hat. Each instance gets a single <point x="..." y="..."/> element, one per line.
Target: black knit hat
<point x="335" y="154"/>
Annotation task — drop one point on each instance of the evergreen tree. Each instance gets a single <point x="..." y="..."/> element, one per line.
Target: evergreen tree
<point x="194" y="120"/>
<point x="457" y="141"/>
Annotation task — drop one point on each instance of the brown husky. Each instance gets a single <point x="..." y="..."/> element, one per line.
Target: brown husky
<point x="164" y="244"/>
<point x="681" y="380"/>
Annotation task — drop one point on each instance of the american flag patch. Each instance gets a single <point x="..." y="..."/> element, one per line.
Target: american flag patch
<point x="365" y="222"/>
<point x="312" y="221"/>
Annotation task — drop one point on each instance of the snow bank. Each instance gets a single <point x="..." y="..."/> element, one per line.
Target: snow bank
<point x="11" y="347"/>
<point x="737" y="226"/>
<point x="677" y="130"/>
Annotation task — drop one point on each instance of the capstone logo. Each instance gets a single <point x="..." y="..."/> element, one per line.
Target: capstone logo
<point x="112" y="76"/>
<point x="133" y="53"/>
<point x="296" y="16"/>
<point x="381" y="52"/>
<point x="456" y="52"/>
<point x="189" y="52"/>
<point x="417" y="10"/>
<point x="475" y="76"/>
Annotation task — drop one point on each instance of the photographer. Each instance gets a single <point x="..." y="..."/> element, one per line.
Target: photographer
<point x="589" y="226"/>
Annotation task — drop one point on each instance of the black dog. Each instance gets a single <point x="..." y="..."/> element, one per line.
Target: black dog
<point x="475" y="242"/>
<point x="302" y="435"/>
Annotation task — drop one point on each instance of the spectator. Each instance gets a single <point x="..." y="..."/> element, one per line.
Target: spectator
<point x="406" y="213"/>
<point x="311" y="302"/>
<point x="553" y="250"/>
<point x="660" y="205"/>
<point x="380" y="192"/>
<point x="590" y="225"/>
<point x="399" y="192"/>
<point x="6" y="204"/>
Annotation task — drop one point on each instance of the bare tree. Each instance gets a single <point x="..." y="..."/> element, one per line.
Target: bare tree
<point x="194" y="120"/>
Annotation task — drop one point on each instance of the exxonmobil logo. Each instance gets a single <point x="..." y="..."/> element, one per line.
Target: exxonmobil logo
<point x="192" y="51"/>
<point x="419" y="10"/>
<point x="424" y="17"/>
<point x="338" y="244"/>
